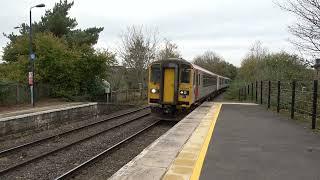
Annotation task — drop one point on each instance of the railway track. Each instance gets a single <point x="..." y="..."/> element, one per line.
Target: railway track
<point x="131" y="115"/>
<point x="73" y="171"/>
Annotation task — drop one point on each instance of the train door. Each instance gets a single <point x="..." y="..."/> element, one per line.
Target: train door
<point x="168" y="85"/>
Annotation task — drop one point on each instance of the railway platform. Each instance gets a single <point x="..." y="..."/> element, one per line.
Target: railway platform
<point x="229" y="141"/>
<point x="30" y="110"/>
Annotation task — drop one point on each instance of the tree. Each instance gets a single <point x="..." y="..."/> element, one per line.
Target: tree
<point x="261" y="65"/>
<point x="250" y="64"/>
<point x="307" y="27"/>
<point x="58" y="22"/>
<point x="284" y="67"/>
<point x="216" y="64"/>
<point x="65" y="56"/>
<point x="138" y="49"/>
<point x="170" y="50"/>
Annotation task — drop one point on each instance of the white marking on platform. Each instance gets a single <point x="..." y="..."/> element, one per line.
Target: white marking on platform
<point x="246" y="104"/>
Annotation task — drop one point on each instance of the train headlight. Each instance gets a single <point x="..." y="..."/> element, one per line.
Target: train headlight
<point x="183" y="92"/>
<point x="154" y="91"/>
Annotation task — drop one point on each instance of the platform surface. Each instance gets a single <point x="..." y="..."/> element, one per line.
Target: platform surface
<point x="249" y="142"/>
<point x="153" y="162"/>
<point x="27" y="111"/>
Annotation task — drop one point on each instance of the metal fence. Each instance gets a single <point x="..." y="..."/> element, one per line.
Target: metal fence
<point x="15" y="93"/>
<point x="298" y="98"/>
<point x="129" y="95"/>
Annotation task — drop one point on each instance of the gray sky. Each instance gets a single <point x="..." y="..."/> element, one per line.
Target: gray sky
<point x="227" y="27"/>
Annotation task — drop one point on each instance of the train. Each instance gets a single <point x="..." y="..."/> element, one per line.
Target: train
<point x="176" y="84"/>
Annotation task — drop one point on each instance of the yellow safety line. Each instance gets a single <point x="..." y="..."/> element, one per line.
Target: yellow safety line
<point x="198" y="166"/>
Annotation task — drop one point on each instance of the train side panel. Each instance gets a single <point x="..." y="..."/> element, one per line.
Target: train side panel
<point x="207" y="84"/>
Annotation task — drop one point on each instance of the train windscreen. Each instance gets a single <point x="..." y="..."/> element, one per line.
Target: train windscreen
<point x="155" y="73"/>
<point x="185" y="74"/>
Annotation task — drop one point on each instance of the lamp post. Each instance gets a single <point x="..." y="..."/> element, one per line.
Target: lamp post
<point x="32" y="56"/>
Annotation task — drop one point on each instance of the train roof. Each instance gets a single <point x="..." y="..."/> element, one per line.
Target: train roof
<point x="187" y="62"/>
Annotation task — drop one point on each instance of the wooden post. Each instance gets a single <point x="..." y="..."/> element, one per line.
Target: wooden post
<point x="293" y="98"/>
<point x="256" y="91"/>
<point x="278" y="97"/>
<point x="261" y="89"/>
<point x="314" y="104"/>
<point x="269" y="94"/>
<point x="251" y="91"/>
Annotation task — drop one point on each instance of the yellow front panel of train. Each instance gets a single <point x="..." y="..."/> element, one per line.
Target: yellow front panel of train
<point x="168" y="88"/>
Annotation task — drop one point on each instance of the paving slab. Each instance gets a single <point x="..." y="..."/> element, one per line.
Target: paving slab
<point x="251" y="143"/>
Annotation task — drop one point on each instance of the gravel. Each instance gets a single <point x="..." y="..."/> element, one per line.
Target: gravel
<point x="56" y="164"/>
<point x="109" y="164"/>
<point x="29" y="152"/>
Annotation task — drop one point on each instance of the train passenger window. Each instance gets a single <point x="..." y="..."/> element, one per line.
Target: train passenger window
<point x="155" y="73"/>
<point x="209" y="80"/>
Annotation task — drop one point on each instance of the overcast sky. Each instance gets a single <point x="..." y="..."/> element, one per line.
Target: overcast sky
<point x="227" y="27"/>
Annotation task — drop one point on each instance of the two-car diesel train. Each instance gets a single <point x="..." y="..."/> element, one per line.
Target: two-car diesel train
<point x="176" y="84"/>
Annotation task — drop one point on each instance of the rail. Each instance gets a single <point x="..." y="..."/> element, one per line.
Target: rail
<point x="70" y="173"/>
<point x="11" y="150"/>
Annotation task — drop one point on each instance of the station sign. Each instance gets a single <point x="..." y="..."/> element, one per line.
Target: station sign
<point x="32" y="56"/>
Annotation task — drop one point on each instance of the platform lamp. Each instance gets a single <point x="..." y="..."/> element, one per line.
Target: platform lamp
<point x="32" y="56"/>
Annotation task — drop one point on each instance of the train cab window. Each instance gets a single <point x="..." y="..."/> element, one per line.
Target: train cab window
<point x="185" y="74"/>
<point x="155" y="73"/>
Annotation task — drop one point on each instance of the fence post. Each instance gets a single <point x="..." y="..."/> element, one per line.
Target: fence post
<point x="269" y="94"/>
<point x="248" y="89"/>
<point x="251" y="91"/>
<point x="314" y="104"/>
<point x="278" y="98"/>
<point x="242" y="94"/>
<point x="112" y="97"/>
<point x="293" y="98"/>
<point x="245" y="93"/>
<point x="261" y="88"/>
<point x="256" y="91"/>
<point x="17" y="94"/>
<point x="239" y="94"/>
<point x="126" y="95"/>
<point x="141" y="94"/>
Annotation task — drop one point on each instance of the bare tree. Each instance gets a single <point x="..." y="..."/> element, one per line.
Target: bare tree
<point x="307" y="27"/>
<point x="138" y="49"/>
<point x="257" y="51"/>
<point x="216" y="64"/>
<point x="170" y="50"/>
